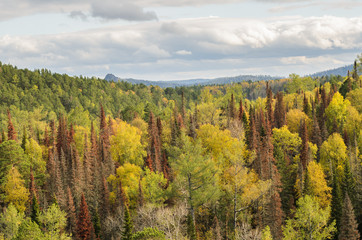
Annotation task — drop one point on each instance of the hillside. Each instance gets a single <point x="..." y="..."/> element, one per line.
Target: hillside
<point x="89" y="157"/>
<point x="191" y="82"/>
<point x="342" y="71"/>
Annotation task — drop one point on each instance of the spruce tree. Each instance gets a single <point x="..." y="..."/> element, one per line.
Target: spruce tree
<point x="71" y="214"/>
<point x="304" y="154"/>
<point x="127" y="231"/>
<point x="11" y="129"/>
<point x="85" y="229"/>
<point x="348" y="227"/>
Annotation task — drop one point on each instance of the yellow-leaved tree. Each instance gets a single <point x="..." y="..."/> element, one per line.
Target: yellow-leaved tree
<point x="14" y="190"/>
<point x="316" y="184"/>
<point x="333" y="154"/>
<point x="126" y="145"/>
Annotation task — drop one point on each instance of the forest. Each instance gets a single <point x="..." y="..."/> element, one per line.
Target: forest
<point x="85" y="158"/>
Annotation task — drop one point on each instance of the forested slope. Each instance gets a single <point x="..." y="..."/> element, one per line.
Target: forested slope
<point x="84" y="158"/>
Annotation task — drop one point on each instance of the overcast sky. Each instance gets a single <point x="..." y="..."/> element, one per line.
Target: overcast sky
<point x="180" y="39"/>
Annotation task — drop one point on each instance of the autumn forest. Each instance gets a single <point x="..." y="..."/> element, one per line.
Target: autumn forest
<point x="85" y="158"/>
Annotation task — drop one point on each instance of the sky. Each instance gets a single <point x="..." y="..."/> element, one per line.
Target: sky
<point x="180" y="39"/>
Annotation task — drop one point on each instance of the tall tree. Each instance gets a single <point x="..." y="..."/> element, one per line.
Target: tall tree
<point x="304" y="154"/>
<point x="11" y="129"/>
<point x="349" y="227"/>
<point x="71" y="214"/>
<point x="84" y="223"/>
<point x="310" y="222"/>
<point x="279" y="112"/>
<point x="127" y="225"/>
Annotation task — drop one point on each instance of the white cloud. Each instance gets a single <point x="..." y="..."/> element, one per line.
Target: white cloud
<point x="210" y="43"/>
<point x="183" y="52"/>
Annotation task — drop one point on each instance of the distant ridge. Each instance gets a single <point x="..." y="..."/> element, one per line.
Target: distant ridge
<point x="336" y="71"/>
<point x="190" y="82"/>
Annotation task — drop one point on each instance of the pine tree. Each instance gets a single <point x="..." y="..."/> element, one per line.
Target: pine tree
<point x="85" y="229"/>
<point x="349" y="228"/>
<point x="11" y="129"/>
<point x="127" y="225"/>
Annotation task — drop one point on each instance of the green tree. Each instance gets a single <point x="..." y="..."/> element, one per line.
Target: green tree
<point x="154" y="187"/>
<point x="196" y="174"/>
<point x="127" y="225"/>
<point x="53" y="220"/>
<point x="29" y="230"/>
<point x="310" y="221"/>
<point x="10" y="221"/>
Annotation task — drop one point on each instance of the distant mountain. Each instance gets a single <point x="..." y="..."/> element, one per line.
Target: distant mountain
<point x="190" y="82"/>
<point x="336" y="71"/>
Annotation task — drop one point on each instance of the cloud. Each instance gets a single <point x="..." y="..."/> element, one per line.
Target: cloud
<point x="110" y="9"/>
<point x="181" y="47"/>
<point x="78" y="14"/>
<point x="126" y="11"/>
<point x="183" y="52"/>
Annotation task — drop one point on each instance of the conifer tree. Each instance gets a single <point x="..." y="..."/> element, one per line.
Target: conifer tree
<point x="337" y="202"/>
<point x="104" y="207"/>
<point x="306" y="106"/>
<point x="11" y="129"/>
<point x="191" y="229"/>
<point x="304" y="155"/>
<point x="269" y="107"/>
<point x="279" y="112"/>
<point x="155" y="143"/>
<point x="71" y="214"/>
<point x="85" y="229"/>
<point x="46" y="137"/>
<point x="183" y="111"/>
<point x="127" y="225"/>
<point x="316" y="136"/>
<point x="25" y="138"/>
<point x="349" y="228"/>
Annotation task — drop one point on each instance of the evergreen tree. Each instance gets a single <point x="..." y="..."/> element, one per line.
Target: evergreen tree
<point x="85" y="229"/>
<point x="191" y="230"/>
<point x="337" y="202"/>
<point x="269" y="107"/>
<point x="35" y="210"/>
<point x="304" y="154"/>
<point x="25" y="138"/>
<point x="349" y="227"/>
<point x="11" y="129"/>
<point x="71" y="214"/>
<point x="306" y="106"/>
<point x="279" y="112"/>
<point x="127" y="225"/>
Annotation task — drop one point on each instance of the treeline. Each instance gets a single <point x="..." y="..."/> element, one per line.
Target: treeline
<point x="84" y="158"/>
